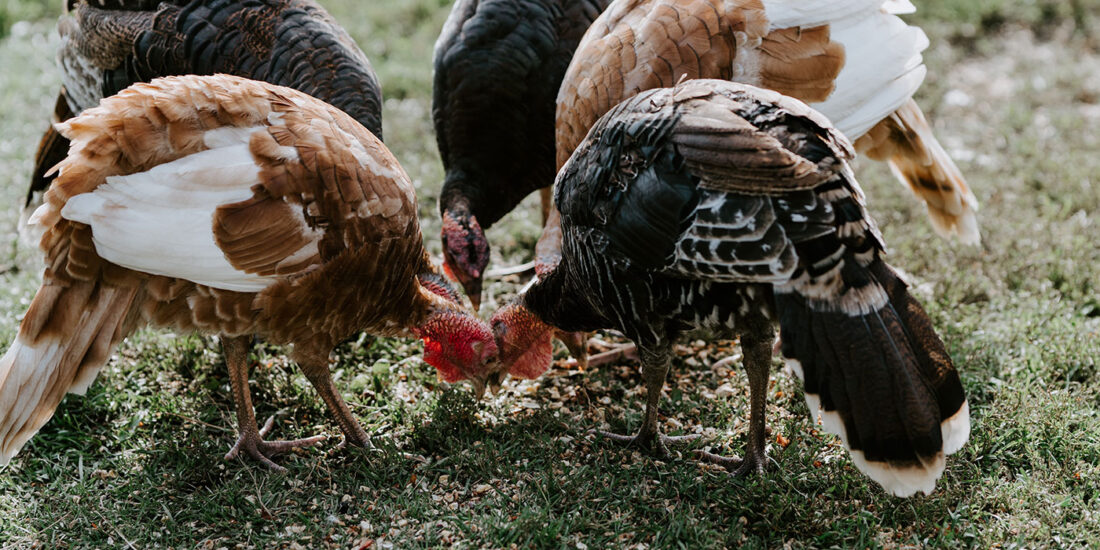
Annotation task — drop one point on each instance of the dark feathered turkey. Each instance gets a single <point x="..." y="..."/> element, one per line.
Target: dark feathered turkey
<point x="725" y="208"/>
<point x="108" y="45"/>
<point x="498" y="65"/>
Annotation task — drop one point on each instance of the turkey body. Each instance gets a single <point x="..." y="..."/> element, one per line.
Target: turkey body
<point x="498" y="66"/>
<point x="107" y="46"/>
<point x="854" y="61"/>
<point x="723" y="208"/>
<point x="225" y="206"/>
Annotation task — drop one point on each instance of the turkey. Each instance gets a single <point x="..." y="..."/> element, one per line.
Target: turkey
<point x="724" y="208"/>
<point x="226" y="206"/>
<point x="855" y="61"/>
<point x="107" y="45"/>
<point x="498" y="65"/>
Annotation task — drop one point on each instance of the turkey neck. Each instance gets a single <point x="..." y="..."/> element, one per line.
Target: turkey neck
<point x="490" y="194"/>
<point x="556" y="301"/>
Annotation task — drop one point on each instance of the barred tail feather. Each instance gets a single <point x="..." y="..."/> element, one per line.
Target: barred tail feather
<point x="882" y="381"/>
<point x="64" y="340"/>
<point x="920" y="162"/>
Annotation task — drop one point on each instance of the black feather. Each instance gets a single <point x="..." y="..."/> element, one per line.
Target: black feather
<point x="654" y="246"/>
<point x="498" y="66"/>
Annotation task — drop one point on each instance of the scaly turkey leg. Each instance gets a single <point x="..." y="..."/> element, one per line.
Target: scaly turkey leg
<point x="321" y="378"/>
<point x="649" y="438"/>
<point x="756" y="345"/>
<point x="250" y="438"/>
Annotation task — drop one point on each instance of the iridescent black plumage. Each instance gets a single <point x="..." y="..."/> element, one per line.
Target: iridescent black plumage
<point x="719" y="207"/>
<point x="498" y="66"/>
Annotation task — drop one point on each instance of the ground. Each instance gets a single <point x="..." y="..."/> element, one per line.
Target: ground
<point x="1013" y="91"/>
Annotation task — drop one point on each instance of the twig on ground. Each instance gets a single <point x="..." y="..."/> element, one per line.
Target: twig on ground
<point x="513" y="270"/>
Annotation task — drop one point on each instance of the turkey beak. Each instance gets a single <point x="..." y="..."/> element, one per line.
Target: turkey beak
<point x="479" y="388"/>
<point x="489" y="382"/>
<point x="475" y="299"/>
<point x="494" y="382"/>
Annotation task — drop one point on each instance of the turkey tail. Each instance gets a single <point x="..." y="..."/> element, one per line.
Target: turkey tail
<point x="52" y="149"/>
<point x="121" y="5"/>
<point x="880" y="378"/>
<point x="918" y="160"/>
<point x="65" y="338"/>
<point x="103" y="35"/>
<point x="95" y="46"/>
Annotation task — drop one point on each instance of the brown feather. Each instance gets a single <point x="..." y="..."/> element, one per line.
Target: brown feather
<point x="801" y="63"/>
<point x="645" y="44"/>
<point x="333" y="218"/>
<point x="906" y="141"/>
<point x="731" y="153"/>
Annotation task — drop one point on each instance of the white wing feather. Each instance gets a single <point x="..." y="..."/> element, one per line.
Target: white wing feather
<point x="883" y="65"/>
<point x="161" y="221"/>
<point x="800" y="13"/>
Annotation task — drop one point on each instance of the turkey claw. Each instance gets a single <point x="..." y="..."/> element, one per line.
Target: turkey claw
<point x="255" y="447"/>
<point x="738" y="467"/>
<point x="654" y="444"/>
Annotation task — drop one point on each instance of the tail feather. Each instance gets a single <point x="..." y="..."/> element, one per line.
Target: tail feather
<point x="918" y="160"/>
<point x="882" y="381"/>
<point x="52" y="149"/>
<point x="96" y="43"/>
<point x="66" y="337"/>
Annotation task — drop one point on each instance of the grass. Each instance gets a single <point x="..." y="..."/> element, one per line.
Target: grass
<point x="1014" y="95"/>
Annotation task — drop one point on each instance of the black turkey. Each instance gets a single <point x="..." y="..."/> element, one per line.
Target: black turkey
<point x="498" y="66"/>
<point x="724" y="208"/>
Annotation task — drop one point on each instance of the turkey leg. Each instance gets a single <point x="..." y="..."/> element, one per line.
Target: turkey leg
<point x="321" y="378"/>
<point x="250" y="438"/>
<point x="756" y="345"/>
<point x="649" y="438"/>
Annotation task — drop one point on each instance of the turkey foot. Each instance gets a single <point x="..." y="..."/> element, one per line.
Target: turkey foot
<point x="655" y="364"/>
<point x="356" y="438"/>
<point x="653" y="443"/>
<point x="753" y="463"/>
<point x="251" y="440"/>
<point x="253" y="444"/>
<point x="757" y="344"/>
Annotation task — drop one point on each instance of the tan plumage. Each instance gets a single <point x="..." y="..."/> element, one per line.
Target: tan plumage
<point x="852" y="60"/>
<point x="905" y="140"/>
<point x="226" y="206"/>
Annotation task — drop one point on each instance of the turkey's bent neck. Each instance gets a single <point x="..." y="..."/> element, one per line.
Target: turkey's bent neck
<point x="559" y="304"/>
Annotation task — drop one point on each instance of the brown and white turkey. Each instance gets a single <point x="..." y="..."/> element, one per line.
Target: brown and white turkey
<point x="227" y="206"/>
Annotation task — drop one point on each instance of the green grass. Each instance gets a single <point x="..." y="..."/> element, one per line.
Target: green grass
<point x="1013" y="93"/>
